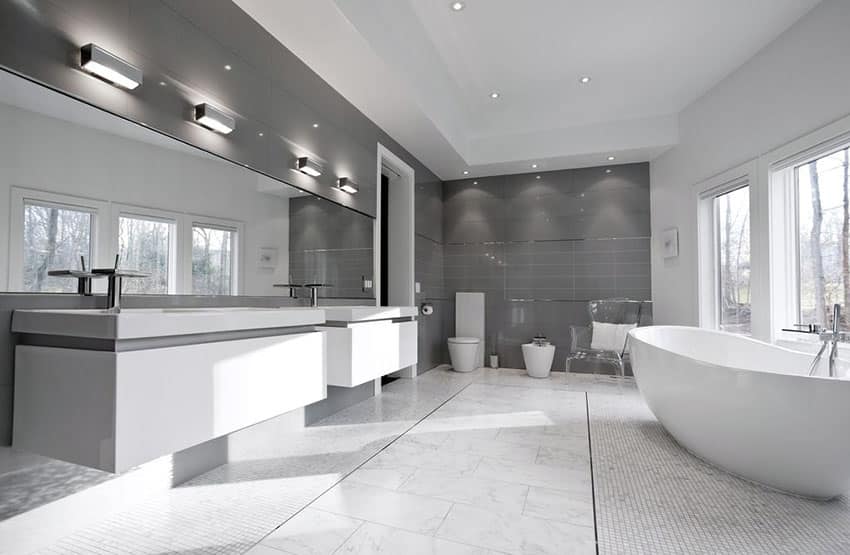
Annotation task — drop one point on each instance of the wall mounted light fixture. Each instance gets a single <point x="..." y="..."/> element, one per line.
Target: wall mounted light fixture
<point x="345" y="184"/>
<point x="212" y="118"/>
<point x="109" y="67"/>
<point x="307" y="166"/>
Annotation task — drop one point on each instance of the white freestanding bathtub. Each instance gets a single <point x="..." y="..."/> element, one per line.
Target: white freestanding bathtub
<point x="748" y="407"/>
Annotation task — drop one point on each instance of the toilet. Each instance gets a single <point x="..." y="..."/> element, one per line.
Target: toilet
<point x="463" y="352"/>
<point x="466" y="350"/>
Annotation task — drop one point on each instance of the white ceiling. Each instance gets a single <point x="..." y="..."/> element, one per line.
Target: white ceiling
<point x="424" y="72"/>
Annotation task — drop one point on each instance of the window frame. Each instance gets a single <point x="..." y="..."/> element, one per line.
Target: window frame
<point x="779" y="173"/>
<point x="22" y="196"/>
<point x="708" y="267"/>
<point x="235" y="227"/>
<point x="176" y="241"/>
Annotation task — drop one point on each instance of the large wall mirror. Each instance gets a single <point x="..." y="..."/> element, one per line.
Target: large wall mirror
<point x="79" y="184"/>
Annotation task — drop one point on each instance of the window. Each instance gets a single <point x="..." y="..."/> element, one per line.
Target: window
<point x="55" y="237"/>
<point x="732" y="252"/>
<point x="213" y="251"/>
<point x="823" y="236"/>
<point x="727" y="266"/>
<point x="148" y="244"/>
<point x="184" y="253"/>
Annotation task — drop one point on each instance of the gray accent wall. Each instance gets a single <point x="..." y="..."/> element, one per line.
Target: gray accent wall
<point x="540" y="248"/>
<point x="429" y="273"/>
<point x="330" y="244"/>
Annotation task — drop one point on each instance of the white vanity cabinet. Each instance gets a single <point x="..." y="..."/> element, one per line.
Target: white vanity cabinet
<point x="114" y="402"/>
<point x="365" y="343"/>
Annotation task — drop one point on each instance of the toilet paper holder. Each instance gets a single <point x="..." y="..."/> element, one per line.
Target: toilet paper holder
<point x="426" y="309"/>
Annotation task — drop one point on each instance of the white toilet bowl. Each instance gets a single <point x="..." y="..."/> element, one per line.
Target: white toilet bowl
<point x="463" y="352"/>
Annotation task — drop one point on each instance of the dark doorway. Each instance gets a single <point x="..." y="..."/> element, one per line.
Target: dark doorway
<point x="385" y="226"/>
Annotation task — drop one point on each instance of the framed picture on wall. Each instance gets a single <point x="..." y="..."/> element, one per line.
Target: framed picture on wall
<point x="267" y="258"/>
<point x="670" y="242"/>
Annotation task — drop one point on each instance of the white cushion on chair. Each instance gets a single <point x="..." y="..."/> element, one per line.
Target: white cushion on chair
<point x="610" y="337"/>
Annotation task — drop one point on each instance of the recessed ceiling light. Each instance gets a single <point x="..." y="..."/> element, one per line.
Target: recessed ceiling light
<point x="315" y="125"/>
<point x="228" y="67"/>
<point x="465" y="172"/>
<point x="611" y="158"/>
<point x="260" y="134"/>
<point x="608" y="170"/>
<point x="584" y="80"/>
<point x="534" y="166"/>
<point x="494" y="95"/>
<point x="475" y="183"/>
<point x="162" y="83"/>
<point x="537" y="177"/>
<point x="457" y="6"/>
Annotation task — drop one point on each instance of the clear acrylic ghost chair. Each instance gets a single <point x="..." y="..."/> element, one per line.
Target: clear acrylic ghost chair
<point x="610" y="311"/>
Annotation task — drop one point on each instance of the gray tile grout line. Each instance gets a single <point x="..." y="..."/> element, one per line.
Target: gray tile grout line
<point x="590" y="459"/>
<point x="378" y="452"/>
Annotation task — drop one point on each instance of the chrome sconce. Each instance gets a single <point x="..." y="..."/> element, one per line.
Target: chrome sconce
<point x="308" y="167"/>
<point x="109" y="67"/>
<point x="212" y="118"/>
<point x="345" y="184"/>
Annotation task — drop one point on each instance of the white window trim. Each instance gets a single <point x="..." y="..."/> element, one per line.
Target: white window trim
<point x="105" y="236"/>
<point x="177" y="243"/>
<point x="20" y="195"/>
<point x="707" y="270"/>
<point x="235" y="226"/>
<point x="776" y="179"/>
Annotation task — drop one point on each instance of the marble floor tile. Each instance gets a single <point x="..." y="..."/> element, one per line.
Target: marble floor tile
<point x="382" y="476"/>
<point x="518" y="378"/>
<point x="259" y="549"/>
<point x="374" y="538"/>
<point x="423" y="456"/>
<point x="560" y="505"/>
<point x="542" y="436"/>
<point x="519" y="535"/>
<point x="575" y="456"/>
<point x="392" y="508"/>
<point x="496" y="496"/>
<point x="540" y="475"/>
<point x="312" y="532"/>
<point x="491" y="447"/>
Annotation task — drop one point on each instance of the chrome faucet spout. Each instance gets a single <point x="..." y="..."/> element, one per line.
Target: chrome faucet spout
<point x="830" y="340"/>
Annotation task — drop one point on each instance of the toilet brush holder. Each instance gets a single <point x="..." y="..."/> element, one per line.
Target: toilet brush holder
<point x="494" y="361"/>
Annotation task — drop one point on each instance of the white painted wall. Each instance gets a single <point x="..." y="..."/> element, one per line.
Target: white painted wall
<point x="44" y="153"/>
<point x="795" y="85"/>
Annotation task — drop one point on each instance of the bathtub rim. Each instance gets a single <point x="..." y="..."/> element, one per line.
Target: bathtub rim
<point x="635" y="335"/>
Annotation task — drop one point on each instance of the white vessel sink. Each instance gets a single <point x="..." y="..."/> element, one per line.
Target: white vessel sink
<point x="135" y="323"/>
<point x="367" y="313"/>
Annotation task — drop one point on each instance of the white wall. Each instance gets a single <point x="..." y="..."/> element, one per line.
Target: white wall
<point x="44" y="153"/>
<point x="795" y="85"/>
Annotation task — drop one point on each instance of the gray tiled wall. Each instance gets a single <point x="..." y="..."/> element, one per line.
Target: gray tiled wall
<point x="330" y="244"/>
<point x="541" y="247"/>
<point x="433" y="329"/>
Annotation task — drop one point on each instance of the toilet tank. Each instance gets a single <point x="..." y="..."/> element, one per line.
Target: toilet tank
<point x="469" y="319"/>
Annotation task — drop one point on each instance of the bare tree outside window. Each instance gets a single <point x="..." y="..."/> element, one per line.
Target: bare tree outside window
<point x="145" y="244"/>
<point x="212" y="260"/>
<point x="824" y="232"/>
<point x="54" y="239"/>
<point x="732" y="223"/>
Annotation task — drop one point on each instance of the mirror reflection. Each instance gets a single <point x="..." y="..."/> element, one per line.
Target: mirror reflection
<point x="81" y="186"/>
